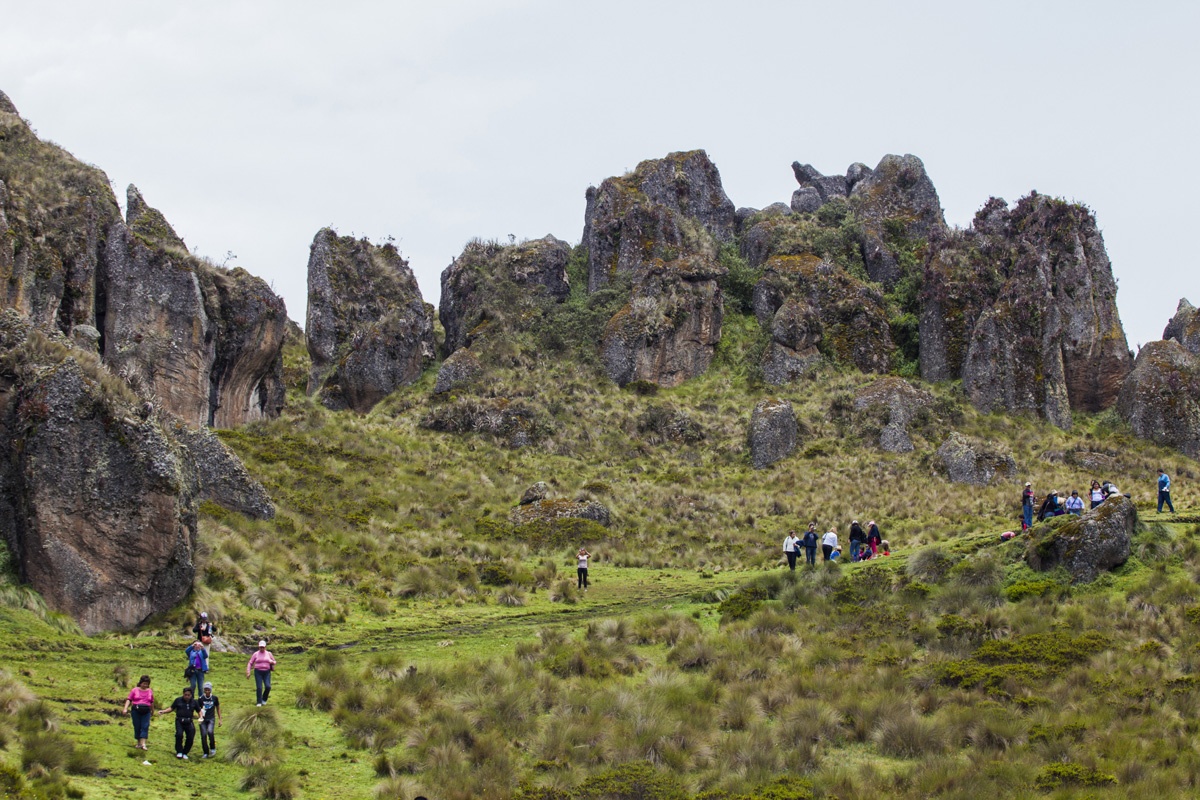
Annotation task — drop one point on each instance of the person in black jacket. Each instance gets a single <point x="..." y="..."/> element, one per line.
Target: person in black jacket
<point x="857" y="537"/>
<point x="205" y="630"/>
<point x="1051" y="507"/>
<point x="809" y="540"/>
<point x="185" y="709"/>
<point x="874" y="537"/>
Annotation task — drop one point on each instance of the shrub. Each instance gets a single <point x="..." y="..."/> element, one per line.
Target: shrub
<point x="930" y="565"/>
<point x="638" y="780"/>
<point x="742" y="604"/>
<point x="1069" y="773"/>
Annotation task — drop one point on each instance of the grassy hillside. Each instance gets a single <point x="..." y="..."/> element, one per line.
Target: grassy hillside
<point x="695" y="666"/>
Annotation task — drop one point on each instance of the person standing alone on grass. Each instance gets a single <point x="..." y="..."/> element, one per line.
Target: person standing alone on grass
<point x="262" y="664"/>
<point x="185" y="709"/>
<point x="1027" y="501"/>
<point x="581" y="567"/>
<point x="790" y="545"/>
<point x="1164" y="491"/>
<point x="829" y="543"/>
<point x="210" y="716"/>
<point x="141" y="702"/>
<point x="810" y="544"/>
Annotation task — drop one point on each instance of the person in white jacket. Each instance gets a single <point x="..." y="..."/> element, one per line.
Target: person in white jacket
<point x="791" y="547"/>
<point x="829" y="543"/>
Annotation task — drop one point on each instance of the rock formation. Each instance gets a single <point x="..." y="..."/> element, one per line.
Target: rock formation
<point x="829" y="307"/>
<point x="96" y="501"/>
<point x="460" y="369"/>
<point x="974" y="463"/>
<point x="773" y="432"/>
<point x="220" y="477"/>
<point x="368" y="331"/>
<point x="490" y="283"/>
<point x="1088" y="545"/>
<point x="1184" y="327"/>
<point x="900" y="402"/>
<point x="1160" y="398"/>
<point x="534" y="494"/>
<point x="658" y="229"/>
<point x="551" y="510"/>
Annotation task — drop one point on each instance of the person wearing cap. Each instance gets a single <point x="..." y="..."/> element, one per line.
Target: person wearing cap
<point x="1164" y="491"/>
<point x="205" y="630"/>
<point x="1075" y="504"/>
<point x="1027" y="502"/>
<point x="262" y="664"/>
<point x="210" y="716"/>
<point x="185" y="708"/>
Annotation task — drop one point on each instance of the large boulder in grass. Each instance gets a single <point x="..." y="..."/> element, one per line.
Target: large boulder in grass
<point x="551" y="510"/>
<point x="461" y="369"/>
<point x="368" y="330"/>
<point x="1160" y="398"/>
<point x="900" y="402"/>
<point x="773" y="432"/>
<point x="1086" y="546"/>
<point x="974" y="463"/>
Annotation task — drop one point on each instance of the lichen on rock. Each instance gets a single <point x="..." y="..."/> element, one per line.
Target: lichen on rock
<point x="1088" y="545"/>
<point x="972" y="462"/>
<point x="773" y="432"/>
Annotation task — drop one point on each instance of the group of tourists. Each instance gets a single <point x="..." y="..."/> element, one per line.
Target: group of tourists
<point x="197" y="701"/>
<point x="865" y="544"/>
<point x="1055" y="504"/>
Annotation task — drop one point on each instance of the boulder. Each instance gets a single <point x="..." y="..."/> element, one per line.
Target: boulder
<point x="221" y="477"/>
<point x="492" y="283"/>
<point x="1085" y="546"/>
<point x="511" y="421"/>
<point x="97" y="503"/>
<point x="535" y="493"/>
<point x="667" y="424"/>
<point x="792" y="353"/>
<point x="149" y="224"/>
<point x="461" y="369"/>
<point x="806" y="200"/>
<point x="669" y="330"/>
<point x="825" y="187"/>
<point x="900" y="401"/>
<point x="551" y="510"/>
<point x="974" y="463"/>
<point x="368" y="330"/>
<point x="773" y="432"/>
<point x="845" y="316"/>
<point x="1184" y="327"/>
<point x="1160" y="398"/>
<point x="899" y="211"/>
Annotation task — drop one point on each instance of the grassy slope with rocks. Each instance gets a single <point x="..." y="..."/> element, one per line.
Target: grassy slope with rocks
<point x="694" y="666"/>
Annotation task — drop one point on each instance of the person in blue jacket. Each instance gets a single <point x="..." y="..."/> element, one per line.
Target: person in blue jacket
<point x="809" y="541"/>
<point x="1164" y="491"/>
<point x="197" y="659"/>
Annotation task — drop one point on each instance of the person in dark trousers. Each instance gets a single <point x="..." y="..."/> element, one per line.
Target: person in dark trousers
<point x="1027" y="502"/>
<point x="1164" y="491"/>
<point x="197" y="658"/>
<point x="1050" y="507"/>
<point x="1097" y="494"/>
<point x="140" y="705"/>
<point x="857" y="537"/>
<point x="210" y="716"/>
<point x="205" y="630"/>
<point x="829" y="543"/>
<point x="581" y="567"/>
<point x="262" y="664"/>
<point x="185" y="708"/>
<point x="791" y="547"/>
<point x="810" y="544"/>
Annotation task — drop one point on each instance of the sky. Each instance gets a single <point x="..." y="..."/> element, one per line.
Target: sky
<point x="251" y="125"/>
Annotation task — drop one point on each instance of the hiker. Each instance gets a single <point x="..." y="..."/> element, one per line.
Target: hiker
<point x="1164" y="491"/>
<point x="205" y="630"/>
<point x="829" y="543"/>
<point x="833" y="556"/>
<point x="185" y="708"/>
<point x="866" y="554"/>
<point x="262" y="664"/>
<point x="141" y="702"/>
<point x="1074" y="504"/>
<point x="210" y="715"/>
<point x="874" y="537"/>
<point x="1028" y="499"/>
<point x="197" y="666"/>
<point x="790" y="545"/>
<point x="810" y="544"/>
<point x="1050" y="507"/>
<point x="885" y="548"/>
<point x="1097" y="494"/>
<point x="581" y="567"/>
<point x="1110" y="490"/>
<point x="857" y="537"/>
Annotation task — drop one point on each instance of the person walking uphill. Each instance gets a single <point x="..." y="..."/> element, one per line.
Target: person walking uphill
<point x="262" y="664"/>
<point x="185" y="709"/>
<point x="810" y="544"/>
<point x="790" y="547"/>
<point x="141" y="702"/>
<point x="1164" y="491"/>
<point x="197" y="666"/>
<point x="581" y="568"/>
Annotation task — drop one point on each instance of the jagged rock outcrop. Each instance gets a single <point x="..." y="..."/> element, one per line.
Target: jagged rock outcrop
<point x="368" y="330"/>
<point x="515" y="423"/>
<point x="900" y="402"/>
<point x="773" y="432"/>
<point x="1160" y="398"/>
<point x="899" y="211"/>
<point x="551" y="510"/>
<point x="221" y="477"/>
<point x="1087" y="546"/>
<point x="208" y="343"/>
<point x="534" y="494"/>
<point x="492" y="283"/>
<point x="669" y="329"/>
<point x="659" y="229"/>
<point x="1033" y="287"/>
<point x="1184" y="327"/>
<point x="461" y="369"/>
<point x="974" y="463"/>
<point x="97" y="501"/>
<point x="831" y="309"/>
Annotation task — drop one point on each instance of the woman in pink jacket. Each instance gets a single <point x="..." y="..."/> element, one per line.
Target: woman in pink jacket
<point x="261" y="664"/>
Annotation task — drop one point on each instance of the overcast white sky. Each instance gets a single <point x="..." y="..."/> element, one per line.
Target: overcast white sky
<point x="253" y="124"/>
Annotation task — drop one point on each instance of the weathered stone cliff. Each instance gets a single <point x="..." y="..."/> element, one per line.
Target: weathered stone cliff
<point x="368" y="329"/>
<point x="1160" y="398"/>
